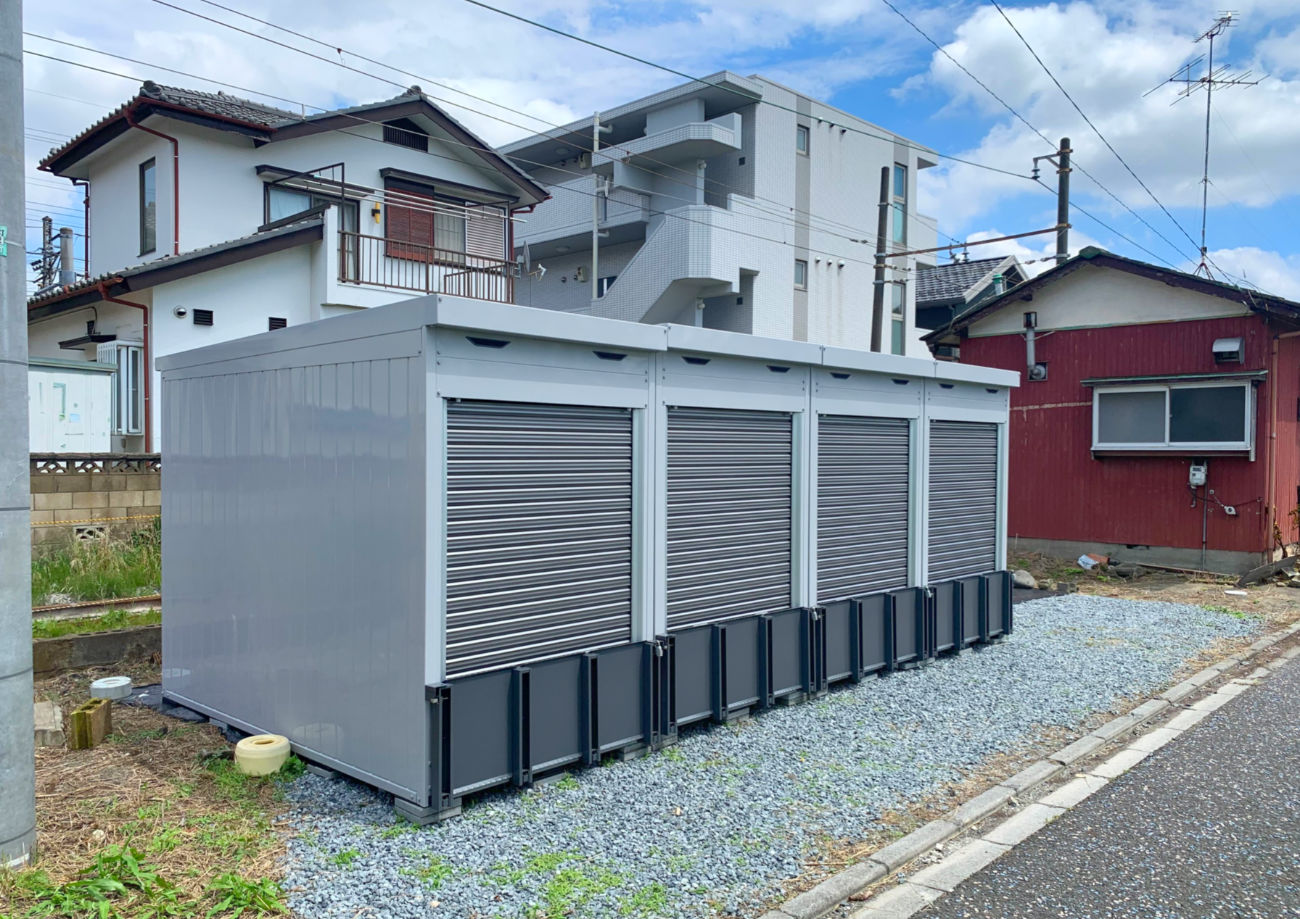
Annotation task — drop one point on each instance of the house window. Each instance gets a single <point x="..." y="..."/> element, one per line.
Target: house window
<point x="801" y="138"/>
<point x="406" y="133"/>
<point x="899" y="234"/>
<point x="424" y="228"/>
<point x="800" y="274"/>
<point x="897" y="317"/>
<point x="1181" y="418"/>
<point x="148" y="208"/>
<point x="283" y="203"/>
<point x="128" y="385"/>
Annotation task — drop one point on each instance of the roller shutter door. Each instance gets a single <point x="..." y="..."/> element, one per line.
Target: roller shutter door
<point x="539" y="532"/>
<point x="963" y="499"/>
<point x="862" y="505"/>
<point x="729" y="514"/>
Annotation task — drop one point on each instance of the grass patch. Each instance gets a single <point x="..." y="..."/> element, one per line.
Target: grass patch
<point x="101" y="569"/>
<point x="345" y="858"/>
<point x="435" y="872"/>
<point x="120" y="882"/>
<point x="648" y="901"/>
<point x="116" y="619"/>
<point x="1234" y="613"/>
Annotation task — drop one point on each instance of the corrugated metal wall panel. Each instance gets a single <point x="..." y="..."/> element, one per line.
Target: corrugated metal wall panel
<point x="1063" y="492"/>
<point x="539" y="532"/>
<point x="862" y="505"/>
<point x="729" y="514"/>
<point x="963" y="499"/>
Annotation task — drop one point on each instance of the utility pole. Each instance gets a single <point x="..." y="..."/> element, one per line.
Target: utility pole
<point x="1211" y="80"/>
<point x="44" y="265"/>
<point x="596" y="130"/>
<point x="17" y="731"/>
<point x="1061" y="160"/>
<point x="1063" y="201"/>
<point x="878" y="295"/>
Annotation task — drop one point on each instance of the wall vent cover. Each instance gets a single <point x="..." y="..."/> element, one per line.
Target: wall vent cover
<point x="203" y="317"/>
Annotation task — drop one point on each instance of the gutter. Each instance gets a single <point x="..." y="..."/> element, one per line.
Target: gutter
<point x="148" y="365"/>
<point x="176" y="193"/>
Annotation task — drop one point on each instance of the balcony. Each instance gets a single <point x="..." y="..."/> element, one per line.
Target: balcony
<point x="694" y="140"/>
<point x="566" y="218"/>
<point x="375" y="261"/>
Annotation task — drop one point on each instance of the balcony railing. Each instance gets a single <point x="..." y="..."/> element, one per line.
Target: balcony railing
<point x="380" y="262"/>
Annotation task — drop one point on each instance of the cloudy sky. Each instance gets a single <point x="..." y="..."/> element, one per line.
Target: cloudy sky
<point x="856" y="54"/>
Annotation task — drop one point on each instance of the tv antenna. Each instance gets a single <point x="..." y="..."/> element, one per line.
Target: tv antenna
<point x="1209" y="80"/>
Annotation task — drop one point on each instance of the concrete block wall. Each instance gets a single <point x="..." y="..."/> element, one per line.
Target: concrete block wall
<point x="92" y="497"/>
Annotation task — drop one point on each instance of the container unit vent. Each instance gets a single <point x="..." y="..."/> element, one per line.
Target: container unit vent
<point x="862" y="505"/>
<point x="729" y="514"/>
<point x="539" y="532"/>
<point x="963" y="499"/>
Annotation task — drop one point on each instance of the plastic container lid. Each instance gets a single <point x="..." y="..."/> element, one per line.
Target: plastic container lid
<point x="111" y="687"/>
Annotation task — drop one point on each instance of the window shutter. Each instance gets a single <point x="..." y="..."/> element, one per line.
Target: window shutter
<point x="411" y="225"/>
<point x="485" y="232"/>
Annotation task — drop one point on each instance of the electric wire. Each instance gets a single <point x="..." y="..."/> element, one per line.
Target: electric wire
<point x="1095" y="130"/>
<point x="567" y="135"/>
<point x="353" y="116"/>
<point x="751" y="98"/>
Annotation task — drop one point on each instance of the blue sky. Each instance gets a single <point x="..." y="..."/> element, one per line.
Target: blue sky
<point x="856" y="54"/>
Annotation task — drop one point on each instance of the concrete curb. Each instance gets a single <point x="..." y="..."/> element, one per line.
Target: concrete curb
<point x="934" y="881"/>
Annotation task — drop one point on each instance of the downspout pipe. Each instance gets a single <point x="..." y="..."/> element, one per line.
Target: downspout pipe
<point x="176" y="179"/>
<point x="85" y="221"/>
<point x="102" y="286"/>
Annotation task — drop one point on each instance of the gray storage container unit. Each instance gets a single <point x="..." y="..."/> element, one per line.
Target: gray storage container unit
<point x="447" y="545"/>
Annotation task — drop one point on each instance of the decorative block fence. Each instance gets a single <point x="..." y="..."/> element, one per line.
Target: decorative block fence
<point x="78" y="496"/>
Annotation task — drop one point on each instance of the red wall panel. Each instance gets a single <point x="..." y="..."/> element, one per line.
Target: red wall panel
<point x="1060" y="491"/>
<point x="1287" y="475"/>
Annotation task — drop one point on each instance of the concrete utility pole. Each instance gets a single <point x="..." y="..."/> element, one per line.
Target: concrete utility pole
<point x="17" y="731"/>
<point x="878" y="295"/>
<point x="1063" y="201"/>
<point x="67" y="260"/>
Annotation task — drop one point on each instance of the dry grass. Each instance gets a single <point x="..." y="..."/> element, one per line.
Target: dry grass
<point x="163" y="787"/>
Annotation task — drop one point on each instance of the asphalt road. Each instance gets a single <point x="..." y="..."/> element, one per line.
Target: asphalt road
<point x="1207" y="826"/>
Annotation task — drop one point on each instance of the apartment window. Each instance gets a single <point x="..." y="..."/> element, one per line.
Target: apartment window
<point x="897" y="317"/>
<point x="148" y="208"/>
<point x="604" y="284"/>
<point x="899" y="232"/>
<point x="801" y="138"/>
<point x="128" y="385"/>
<point x="422" y="227"/>
<point x="406" y="133"/>
<point x="1178" y="418"/>
<point x="800" y="274"/>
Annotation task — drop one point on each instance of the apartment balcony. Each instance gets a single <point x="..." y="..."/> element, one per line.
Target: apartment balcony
<point x="390" y="264"/>
<point x="565" y="220"/>
<point x="696" y="140"/>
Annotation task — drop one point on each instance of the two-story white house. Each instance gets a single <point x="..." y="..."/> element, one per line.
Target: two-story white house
<point x="211" y="217"/>
<point x="731" y="203"/>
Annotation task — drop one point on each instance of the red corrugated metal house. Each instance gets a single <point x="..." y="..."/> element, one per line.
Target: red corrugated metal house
<point x="1157" y="418"/>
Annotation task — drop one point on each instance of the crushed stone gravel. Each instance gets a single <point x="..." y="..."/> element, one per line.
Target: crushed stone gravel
<point x="715" y="824"/>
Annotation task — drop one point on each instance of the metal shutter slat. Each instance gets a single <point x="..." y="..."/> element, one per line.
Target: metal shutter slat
<point x="963" y="499"/>
<point x="539" y="532"/>
<point x="729" y="508"/>
<point x="863" y="477"/>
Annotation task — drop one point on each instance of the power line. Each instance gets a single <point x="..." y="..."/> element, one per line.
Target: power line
<point x="747" y="96"/>
<point x="1095" y="129"/>
<point x="361" y="120"/>
<point x="1095" y="219"/>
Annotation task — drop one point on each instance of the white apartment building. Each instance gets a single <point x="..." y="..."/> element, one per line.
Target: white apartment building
<point x="211" y="217"/>
<point x="731" y="203"/>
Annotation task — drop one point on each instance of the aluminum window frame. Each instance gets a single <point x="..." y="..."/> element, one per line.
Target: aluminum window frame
<point x="801" y="274"/>
<point x="148" y="198"/>
<point x="802" y="139"/>
<point x="1165" y="445"/>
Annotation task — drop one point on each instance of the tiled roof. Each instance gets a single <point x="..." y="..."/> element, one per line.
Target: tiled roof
<point x="216" y="104"/>
<point x="951" y="282"/>
<point x="61" y="291"/>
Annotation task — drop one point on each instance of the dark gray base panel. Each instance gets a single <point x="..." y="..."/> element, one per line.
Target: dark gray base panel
<point x="514" y="726"/>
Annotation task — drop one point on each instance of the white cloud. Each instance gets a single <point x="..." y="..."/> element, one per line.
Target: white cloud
<point x="1268" y="271"/>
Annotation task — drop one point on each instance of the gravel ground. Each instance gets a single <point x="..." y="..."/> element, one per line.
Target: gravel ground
<point x="715" y="824"/>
